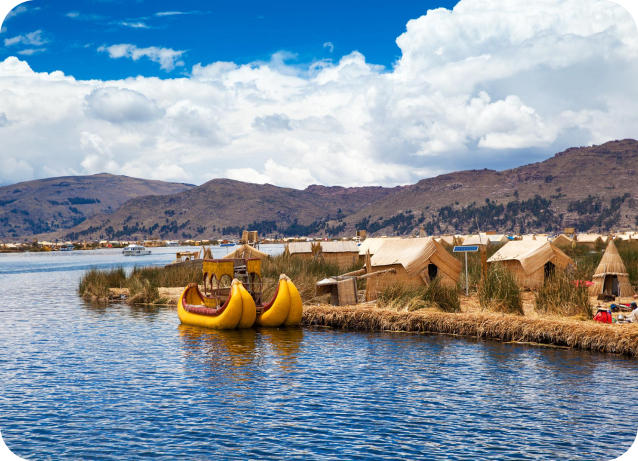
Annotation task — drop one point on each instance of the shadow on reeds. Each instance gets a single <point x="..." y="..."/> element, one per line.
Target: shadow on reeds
<point x="410" y="298"/>
<point x="499" y="291"/>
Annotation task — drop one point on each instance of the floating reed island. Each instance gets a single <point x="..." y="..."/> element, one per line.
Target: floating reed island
<point x="529" y="293"/>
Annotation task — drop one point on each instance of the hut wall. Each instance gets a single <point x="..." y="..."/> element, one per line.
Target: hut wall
<point x="302" y="255"/>
<point x="532" y="281"/>
<point x="343" y="260"/>
<point x="381" y="282"/>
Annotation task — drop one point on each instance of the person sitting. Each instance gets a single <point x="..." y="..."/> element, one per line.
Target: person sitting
<point x="633" y="317"/>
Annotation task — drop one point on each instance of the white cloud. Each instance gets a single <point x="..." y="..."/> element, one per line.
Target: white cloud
<point x="16" y="11"/>
<point x="167" y="58"/>
<point x="32" y="38"/>
<point x="330" y="46"/>
<point x="483" y="84"/>
<point x="31" y="51"/>
<point x="133" y="25"/>
<point x="121" y="106"/>
<point x="3" y="29"/>
<point x="12" y="170"/>
<point x="98" y="157"/>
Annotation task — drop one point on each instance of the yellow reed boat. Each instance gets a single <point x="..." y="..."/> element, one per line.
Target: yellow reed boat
<point x="232" y="298"/>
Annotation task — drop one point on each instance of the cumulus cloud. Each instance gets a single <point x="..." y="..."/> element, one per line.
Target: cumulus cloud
<point x="98" y="157"/>
<point x="121" y="106"/>
<point x="33" y="38"/>
<point x="484" y="84"/>
<point x="167" y="58"/>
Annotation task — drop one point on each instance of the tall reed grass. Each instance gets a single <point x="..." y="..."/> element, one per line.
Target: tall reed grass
<point x="410" y="298"/>
<point x="95" y="283"/>
<point x="499" y="291"/>
<point x="561" y="295"/>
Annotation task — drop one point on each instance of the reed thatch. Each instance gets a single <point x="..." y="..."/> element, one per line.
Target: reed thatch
<point x="372" y="244"/>
<point x="477" y="240"/>
<point x="306" y="250"/>
<point x="591" y="240"/>
<point x="530" y="260"/>
<point x="587" y="335"/>
<point x="344" y="254"/>
<point x="562" y="241"/>
<point x="415" y="262"/>
<point x="611" y="269"/>
<point x="246" y="251"/>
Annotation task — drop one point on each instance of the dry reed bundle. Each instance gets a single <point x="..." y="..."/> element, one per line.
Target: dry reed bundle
<point x="587" y="335"/>
<point x="412" y="298"/>
<point x="561" y="295"/>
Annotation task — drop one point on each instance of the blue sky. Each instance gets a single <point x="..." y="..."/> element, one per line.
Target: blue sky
<point x="241" y="32"/>
<point x="297" y="93"/>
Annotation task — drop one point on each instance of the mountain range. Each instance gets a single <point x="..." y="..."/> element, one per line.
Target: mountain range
<point x="590" y="188"/>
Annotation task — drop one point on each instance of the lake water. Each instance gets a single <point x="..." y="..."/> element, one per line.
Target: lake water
<point x="96" y="381"/>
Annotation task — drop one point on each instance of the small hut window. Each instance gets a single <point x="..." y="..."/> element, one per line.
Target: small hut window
<point x="550" y="269"/>
<point x="432" y="271"/>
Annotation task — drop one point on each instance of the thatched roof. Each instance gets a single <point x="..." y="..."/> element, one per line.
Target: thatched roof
<point x="562" y="240"/>
<point x="590" y="238"/>
<point x="414" y="255"/>
<point x="532" y="254"/>
<point x="339" y="247"/>
<point x="245" y="252"/>
<point x="498" y="238"/>
<point x="611" y="262"/>
<point x="373" y="244"/>
<point x="477" y="240"/>
<point x="299" y="247"/>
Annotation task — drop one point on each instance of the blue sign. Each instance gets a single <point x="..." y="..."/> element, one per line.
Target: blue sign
<point x="463" y="249"/>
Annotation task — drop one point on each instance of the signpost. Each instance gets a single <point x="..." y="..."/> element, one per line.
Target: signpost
<point x="466" y="249"/>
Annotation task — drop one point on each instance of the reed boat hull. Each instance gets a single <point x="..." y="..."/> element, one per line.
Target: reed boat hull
<point x="192" y="309"/>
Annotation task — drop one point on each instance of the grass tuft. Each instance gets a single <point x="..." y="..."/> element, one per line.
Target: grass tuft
<point x="409" y="298"/>
<point x="559" y="295"/>
<point x="499" y="291"/>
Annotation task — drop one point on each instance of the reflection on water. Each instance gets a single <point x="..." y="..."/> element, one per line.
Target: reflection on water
<point x="85" y="380"/>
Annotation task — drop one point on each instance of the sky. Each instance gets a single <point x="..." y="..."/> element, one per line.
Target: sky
<point x="349" y="93"/>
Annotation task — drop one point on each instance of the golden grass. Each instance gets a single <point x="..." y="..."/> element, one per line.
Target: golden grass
<point x="619" y="339"/>
<point x="411" y="298"/>
<point x="499" y="292"/>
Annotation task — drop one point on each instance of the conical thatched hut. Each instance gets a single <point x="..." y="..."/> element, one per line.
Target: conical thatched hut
<point x="246" y="252"/>
<point x="531" y="261"/>
<point x="611" y="275"/>
<point x="416" y="261"/>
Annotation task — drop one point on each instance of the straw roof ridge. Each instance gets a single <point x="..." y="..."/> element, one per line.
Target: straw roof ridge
<point x="339" y="247"/>
<point x="299" y="247"/>
<point x="413" y="255"/>
<point x="532" y="254"/>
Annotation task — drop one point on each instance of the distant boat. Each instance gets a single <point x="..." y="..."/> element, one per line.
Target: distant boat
<point x="172" y="244"/>
<point x="226" y="243"/>
<point x="135" y="250"/>
<point x="67" y="247"/>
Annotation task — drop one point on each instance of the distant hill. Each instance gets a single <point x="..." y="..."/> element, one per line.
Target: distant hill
<point x="49" y="205"/>
<point x="223" y="207"/>
<point x="590" y="188"/>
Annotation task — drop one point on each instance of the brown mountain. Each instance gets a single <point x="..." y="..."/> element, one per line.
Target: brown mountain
<point x="590" y="188"/>
<point x="46" y="205"/>
<point x="225" y="207"/>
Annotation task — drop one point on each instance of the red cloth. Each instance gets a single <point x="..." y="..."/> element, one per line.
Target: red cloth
<point x="603" y="317"/>
<point x="583" y="283"/>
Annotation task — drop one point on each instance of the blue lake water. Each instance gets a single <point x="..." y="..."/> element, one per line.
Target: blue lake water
<point x="96" y="381"/>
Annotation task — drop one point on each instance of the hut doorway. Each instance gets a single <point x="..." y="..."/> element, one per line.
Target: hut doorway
<point x="550" y="269"/>
<point x="432" y="271"/>
<point x="611" y="285"/>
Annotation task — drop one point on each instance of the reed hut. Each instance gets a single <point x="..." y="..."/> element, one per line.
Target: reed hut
<point x="562" y="241"/>
<point x="531" y="261"/>
<point x="449" y="241"/>
<point x="497" y="239"/>
<point x="304" y="250"/>
<point x="611" y="275"/>
<point x="416" y="261"/>
<point x="246" y="252"/>
<point x="477" y="240"/>
<point x="591" y="241"/>
<point x="344" y="254"/>
<point x="372" y="245"/>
